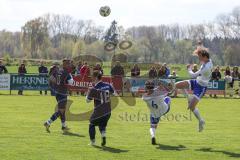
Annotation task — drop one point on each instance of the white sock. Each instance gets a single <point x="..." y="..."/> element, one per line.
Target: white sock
<point x="103" y="134"/>
<point x="197" y="114"/>
<point x="152" y="132"/>
<point x="49" y="121"/>
<point x="92" y="141"/>
<point x="64" y="124"/>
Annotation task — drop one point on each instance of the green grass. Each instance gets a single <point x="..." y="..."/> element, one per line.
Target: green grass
<point x="30" y="69"/>
<point x="23" y="137"/>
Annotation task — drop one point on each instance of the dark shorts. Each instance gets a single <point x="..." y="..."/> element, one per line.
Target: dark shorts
<point x="61" y="100"/>
<point x="102" y="121"/>
<point x="154" y="120"/>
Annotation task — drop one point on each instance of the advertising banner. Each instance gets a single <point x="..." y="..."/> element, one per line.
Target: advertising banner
<point x="4" y="81"/>
<point x="29" y="82"/>
<point x="83" y="83"/>
<point x="138" y="84"/>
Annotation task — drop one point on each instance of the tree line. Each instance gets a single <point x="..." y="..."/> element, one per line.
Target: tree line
<point x="55" y="36"/>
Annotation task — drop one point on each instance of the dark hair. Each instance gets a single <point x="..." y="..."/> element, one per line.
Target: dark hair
<point x="199" y="42"/>
<point x="205" y="53"/>
<point x="66" y="60"/>
<point x="97" y="74"/>
<point x="149" y="84"/>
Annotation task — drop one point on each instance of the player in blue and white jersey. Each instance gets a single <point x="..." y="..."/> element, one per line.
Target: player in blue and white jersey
<point x="198" y="84"/>
<point x="158" y="103"/>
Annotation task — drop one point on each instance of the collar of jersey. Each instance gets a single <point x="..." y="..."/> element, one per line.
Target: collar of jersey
<point x="98" y="83"/>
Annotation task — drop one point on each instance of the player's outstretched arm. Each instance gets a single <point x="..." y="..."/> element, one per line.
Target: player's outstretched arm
<point x="191" y="73"/>
<point x="113" y="91"/>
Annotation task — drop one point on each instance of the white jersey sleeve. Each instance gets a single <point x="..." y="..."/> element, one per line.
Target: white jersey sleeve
<point x="203" y="75"/>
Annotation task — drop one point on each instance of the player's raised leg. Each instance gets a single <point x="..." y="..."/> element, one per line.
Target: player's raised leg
<point x="182" y="85"/>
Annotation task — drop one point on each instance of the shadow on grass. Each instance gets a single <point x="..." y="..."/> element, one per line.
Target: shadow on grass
<point x="110" y="149"/>
<point x="173" y="148"/>
<point x="72" y="134"/>
<point x="230" y="154"/>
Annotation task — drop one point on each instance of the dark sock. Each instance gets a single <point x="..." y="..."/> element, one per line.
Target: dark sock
<point x="55" y="116"/>
<point x="92" y="131"/>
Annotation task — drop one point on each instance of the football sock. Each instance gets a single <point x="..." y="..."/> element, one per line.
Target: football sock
<point x="152" y="132"/>
<point x="197" y="114"/>
<point x="53" y="117"/>
<point x="64" y="124"/>
<point x="102" y="130"/>
<point x="103" y="134"/>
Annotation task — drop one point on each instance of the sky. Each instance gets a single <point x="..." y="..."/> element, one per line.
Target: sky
<point x="128" y="13"/>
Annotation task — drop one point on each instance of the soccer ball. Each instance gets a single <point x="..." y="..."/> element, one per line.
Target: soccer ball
<point x="105" y="11"/>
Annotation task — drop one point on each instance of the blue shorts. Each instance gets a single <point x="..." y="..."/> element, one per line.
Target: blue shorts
<point x="61" y="100"/>
<point x="198" y="90"/>
<point x="154" y="120"/>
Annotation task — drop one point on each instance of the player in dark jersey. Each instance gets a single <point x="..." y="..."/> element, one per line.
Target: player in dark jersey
<point x="58" y="82"/>
<point x="100" y="93"/>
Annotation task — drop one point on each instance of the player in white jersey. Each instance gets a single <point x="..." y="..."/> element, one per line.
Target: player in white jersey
<point x="198" y="84"/>
<point x="158" y="103"/>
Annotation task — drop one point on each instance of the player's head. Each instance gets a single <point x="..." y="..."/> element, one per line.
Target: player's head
<point x="235" y="69"/>
<point x="199" y="42"/>
<point x="135" y="65"/>
<point x="228" y="68"/>
<point x="97" y="75"/>
<point x="149" y="85"/>
<point x="98" y="65"/>
<point x="22" y="65"/>
<point x="203" y="55"/>
<point x="118" y="63"/>
<point x="66" y="63"/>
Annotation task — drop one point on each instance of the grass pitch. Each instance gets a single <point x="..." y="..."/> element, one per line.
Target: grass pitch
<point x="23" y="137"/>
